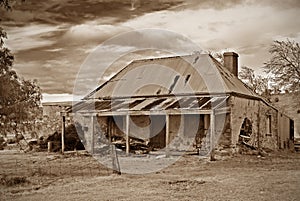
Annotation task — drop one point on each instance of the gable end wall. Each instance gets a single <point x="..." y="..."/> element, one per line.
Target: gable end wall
<point x="258" y="113"/>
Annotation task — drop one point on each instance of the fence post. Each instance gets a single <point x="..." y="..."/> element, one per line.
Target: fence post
<point x="63" y="130"/>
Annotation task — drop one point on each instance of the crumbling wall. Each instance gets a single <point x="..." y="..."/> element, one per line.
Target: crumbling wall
<point x="258" y="113"/>
<point x="52" y="120"/>
<point x="95" y="131"/>
<point x="101" y="126"/>
<point x="176" y="129"/>
<point x="100" y="132"/>
<point x="223" y="132"/>
<point x="242" y="108"/>
<point x="190" y="131"/>
<point x="268" y="128"/>
<point x="187" y="132"/>
<point x="88" y="131"/>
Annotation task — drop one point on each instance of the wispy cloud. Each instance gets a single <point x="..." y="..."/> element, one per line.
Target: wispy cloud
<point x="30" y="36"/>
<point x="52" y="41"/>
<point x="91" y="32"/>
<point x="246" y="27"/>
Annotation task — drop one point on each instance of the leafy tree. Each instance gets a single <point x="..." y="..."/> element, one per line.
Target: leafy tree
<point x="19" y="98"/>
<point x="5" y="4"/>
<point x="256" y="83"/>
<point x="284" y="65"/>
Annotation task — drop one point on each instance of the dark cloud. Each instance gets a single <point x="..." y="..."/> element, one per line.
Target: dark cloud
<point x="77" y="12"/>
<point x="51" y="39"/>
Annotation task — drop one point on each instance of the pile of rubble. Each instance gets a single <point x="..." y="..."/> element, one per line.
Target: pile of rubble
<point x="137" y="146"/>
<point x="297" y="144"/>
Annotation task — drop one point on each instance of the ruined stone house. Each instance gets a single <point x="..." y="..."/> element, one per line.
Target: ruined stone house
<point x="182" y="103"/>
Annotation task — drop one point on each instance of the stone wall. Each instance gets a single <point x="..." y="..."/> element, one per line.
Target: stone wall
<point x="258" y="113"/>
<point x="52" y="120"/>
<point x="223" y="131"/>
<point x="190" y="131"/>
<point x="268" y="127"/>
<point x="186" y="132"/>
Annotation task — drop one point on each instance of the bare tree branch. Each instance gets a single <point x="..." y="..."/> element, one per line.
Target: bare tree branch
<point x="284" y="65"/>
<point x="258" y="84"/>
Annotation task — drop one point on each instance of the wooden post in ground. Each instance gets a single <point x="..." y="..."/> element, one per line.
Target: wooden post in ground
<point x="167" y="135"/>
<point x="127" y="134"/>
<point x="63" y="130"/>
<point x="212" y="136"/>
<point x="206" y="144"/>
<point x="113" y="152"/>
<point x="92" y="134"/>
<point x="49" y="146"/>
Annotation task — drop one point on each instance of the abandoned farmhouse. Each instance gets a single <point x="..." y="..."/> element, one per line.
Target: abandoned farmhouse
<point x="181" y="103"/>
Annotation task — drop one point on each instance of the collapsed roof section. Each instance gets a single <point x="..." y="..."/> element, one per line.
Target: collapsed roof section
<point x="182" y="104"/>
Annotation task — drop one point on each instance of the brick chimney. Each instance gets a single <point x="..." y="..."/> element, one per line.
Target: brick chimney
<point x="231" y="62"/>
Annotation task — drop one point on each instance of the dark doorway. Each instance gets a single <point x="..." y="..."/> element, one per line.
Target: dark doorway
<point x="158" y="131"/>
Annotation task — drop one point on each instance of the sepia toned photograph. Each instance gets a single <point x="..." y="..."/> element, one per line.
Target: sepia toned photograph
<point x="150" y="100"/>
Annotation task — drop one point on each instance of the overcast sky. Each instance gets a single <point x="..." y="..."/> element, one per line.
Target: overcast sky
<point x="51" y="40"/>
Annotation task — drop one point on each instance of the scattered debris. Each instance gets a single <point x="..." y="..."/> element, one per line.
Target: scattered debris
<point x="12" y="181"/>
<point x="160" y="156"/>
<point x="247" y="149"/>
<point x="137" y="146"/>
<point x="297" y="144"/>
<point x="185" y="184"/>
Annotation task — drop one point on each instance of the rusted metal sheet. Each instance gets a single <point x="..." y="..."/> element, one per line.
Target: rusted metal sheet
<point x="193" y="74"/>
<point x="192" y="82"/>
<point x="184" y="104"/>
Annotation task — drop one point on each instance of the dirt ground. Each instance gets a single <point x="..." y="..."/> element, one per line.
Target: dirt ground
<point x="37" y="176"/>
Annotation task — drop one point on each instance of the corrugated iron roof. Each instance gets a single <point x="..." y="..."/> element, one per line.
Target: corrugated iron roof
<point x="179" y="75"/>
<point x="193" y="82"/>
